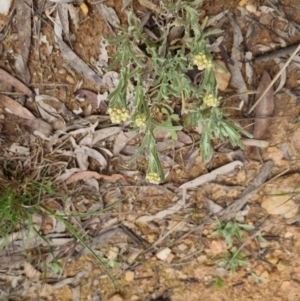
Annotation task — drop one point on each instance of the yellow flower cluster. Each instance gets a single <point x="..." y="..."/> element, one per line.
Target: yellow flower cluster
<point x="153" y="177"/>
<point x="202" y="61"/>
<point x="211" y="101"/>
<point x="118" y="115"/>
<point x="140" y="121"/>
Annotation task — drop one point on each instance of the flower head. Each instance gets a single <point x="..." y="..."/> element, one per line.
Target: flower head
<point x="202" y="61"/>
<point x="153" y="177"/>
<point x="140" y="121"/>
<point x="155" y="173"/>
<point x="118" y="115"/>
<point x="211" y="100"/>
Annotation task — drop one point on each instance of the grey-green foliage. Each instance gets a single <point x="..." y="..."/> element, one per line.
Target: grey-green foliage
<point x="230" y="229"/>
<point x="235" y="262"/>
<point x="166" y="76"/>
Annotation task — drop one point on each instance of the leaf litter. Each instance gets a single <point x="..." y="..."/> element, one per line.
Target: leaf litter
<point x="264" y="109"/>
<point x="87" y="140"/>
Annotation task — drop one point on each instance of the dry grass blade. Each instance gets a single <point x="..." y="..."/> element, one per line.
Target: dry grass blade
<point x="275" y="78"/>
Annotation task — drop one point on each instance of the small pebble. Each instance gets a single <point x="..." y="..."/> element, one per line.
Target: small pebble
<point x="288" y="235"/>
<point x="182" y="247"/>
<point x="265" y="275"/>
<point x="84" y="8"/>
<point x="163" y="254"/>
<point x="129" y="276"/>
<point x="251" y="8"/>
<point x="113" y="253"/>
<point x="70" y="79"/>
<point x="116" y="297"/>
<point x="170" y="258"/>
<point x="286" y="285"/>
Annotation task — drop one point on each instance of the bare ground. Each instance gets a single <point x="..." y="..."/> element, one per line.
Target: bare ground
<point x="132" y="233"/>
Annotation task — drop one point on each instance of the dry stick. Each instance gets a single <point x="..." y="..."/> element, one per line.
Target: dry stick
<point x="259" y="232"/>
<point x="275" y="78"/>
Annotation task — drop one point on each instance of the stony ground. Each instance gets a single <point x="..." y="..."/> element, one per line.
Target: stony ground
<point x="154" y="242"/>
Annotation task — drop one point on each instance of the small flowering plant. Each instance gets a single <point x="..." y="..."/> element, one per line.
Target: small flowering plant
<point x="154" y="72"/>
<point x="202" y="61"/>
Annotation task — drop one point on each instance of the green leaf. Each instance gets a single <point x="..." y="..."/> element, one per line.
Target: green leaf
<point x="164" y="111"/>
<point x="261" y="238"/>
<point x="256" y="278"/>
<point x="135" y="58"/>
<point x="167" y="127"/>
<point x="219" y="282"/>
<point x="222" y="263"/>
<point x="175" y="117"/>
<point x="205" y="148"/>
<point x="246" y="227"/>
<point x="228" y="239"/>
<point x="243" y="263"/>
<point x="212" y="32"/>
<point x="216" y="233"/>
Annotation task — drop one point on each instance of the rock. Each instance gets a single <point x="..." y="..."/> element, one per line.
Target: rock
<point x="243" y="2"/>
<point x="251" y="8"/>
<point x="217" y="246"/>
<point x="116" y="297"/>
<point x="286" y="285"/>
<point x="281" y="267"/>
<point x="113" y="253"/>
<point x="5" y="7"/>
<point x="163" y="254"/>
<point x="202" y="258"/>
<point x="70" y="79"/>
<point x="182" y="247"/>
<point x="84" y="9"/>
<point x="205" y="232"/>
<point x="259" y="269"/>
<point x="170" y="258"/>
<point x="279" y="204"/>
<point x="220" y="272"/>
<point x="265" y="275"/>
<point x="278" y="197"/>
<point x="288" y="234"/>
<point x="272" y="260"/>
<point x="129" y="276"/>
